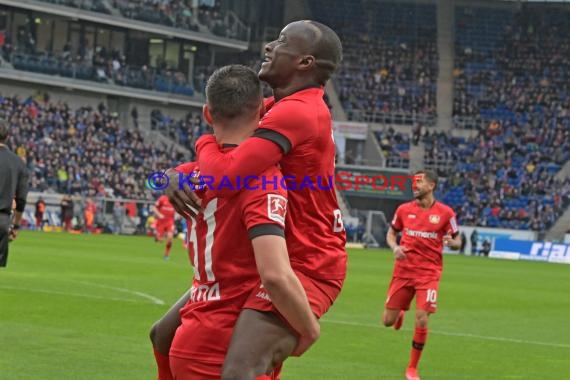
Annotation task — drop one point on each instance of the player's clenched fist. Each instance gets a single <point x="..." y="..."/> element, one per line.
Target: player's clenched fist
<point x="399" y="252"/>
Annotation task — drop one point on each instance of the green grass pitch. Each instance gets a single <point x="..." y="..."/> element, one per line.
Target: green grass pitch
<point x="79" y="307"/>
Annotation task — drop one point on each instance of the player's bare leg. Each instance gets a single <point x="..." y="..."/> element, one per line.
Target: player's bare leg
<point x="260" y="343"/>
<point x="169" y="236"/>
<point x="393" y="317"/>
<point x="158" y="236"/>
<point x="420" y="337"/>
<point x="162" y="333"/>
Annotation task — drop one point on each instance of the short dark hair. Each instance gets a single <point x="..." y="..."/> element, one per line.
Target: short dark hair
<point x="4" y="131"/>
<point x="233" y="91"/>
<point x="430" y="175"/>
<point x="327" y="51"/>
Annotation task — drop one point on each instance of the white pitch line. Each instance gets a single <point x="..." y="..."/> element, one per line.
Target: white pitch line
<point x="154" y="300"/>
<point x="463" y="335"/>
<point x="35" y="290"/>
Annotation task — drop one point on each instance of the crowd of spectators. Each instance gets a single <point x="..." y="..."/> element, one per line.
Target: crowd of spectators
<point x="527" y="72"/>
<point x="98" y="64"/>
<point x="395" y="146"/>
<point x="378" y="79"/>
<point x="389" y="69"/>
<point x="192" y="15"/>
<point x="185" y="131"/>
<point x="82" y="151"/>
<point x="505" y="176"/>
<point x="515" y="91"/>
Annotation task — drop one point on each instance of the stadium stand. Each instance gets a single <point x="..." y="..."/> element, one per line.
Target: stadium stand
<point x="510" y="87"/>
<point x="102" y="66"/>
<point x="184" y="131"/>
<point x="511" y="83"/>
<point x="389" y="70"/>
<point x="396" y="147"/>
<point x="197" y="16"/>
<point x="516" y="72"/>
<point x="82" y="151"/>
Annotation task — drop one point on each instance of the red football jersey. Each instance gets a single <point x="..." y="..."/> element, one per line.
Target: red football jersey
<point x="314" y="230"/>
<point x="225" y="272"/>
<point x="164" y="207"/>
<point x="301" y="125"/>
<point x="422" y="235"/>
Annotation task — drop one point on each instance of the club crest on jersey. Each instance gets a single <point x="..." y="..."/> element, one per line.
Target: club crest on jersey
<point x="434" y="219"/>
<point x="276" y="208"/>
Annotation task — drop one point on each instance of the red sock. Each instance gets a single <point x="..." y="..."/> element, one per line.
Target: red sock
<point x="275" y="375"/>
<point x="167" y="250"/>
<point x="163" y="364"/>
<point x="420" y="337"/>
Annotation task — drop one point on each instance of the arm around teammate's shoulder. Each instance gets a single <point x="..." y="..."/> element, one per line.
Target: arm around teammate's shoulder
<point x="250" y="158"/>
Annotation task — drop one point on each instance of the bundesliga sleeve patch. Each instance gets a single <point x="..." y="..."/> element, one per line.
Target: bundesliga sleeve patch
<point x="276" y="208"/>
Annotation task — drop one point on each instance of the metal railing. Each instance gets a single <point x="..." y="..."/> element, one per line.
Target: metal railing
<point x="148" y="79"/>
<point x="111" y="215"/>
<point x="468" y="122"/>
<point x="397" y="118"/>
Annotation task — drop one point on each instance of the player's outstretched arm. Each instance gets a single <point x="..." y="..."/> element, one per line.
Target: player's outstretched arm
<point x="250" y="158"/>
<point x="285" y="289"/>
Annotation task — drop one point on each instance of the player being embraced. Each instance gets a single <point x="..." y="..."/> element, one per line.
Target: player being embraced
<point x="295" y="133"/>
<point x="236" y="244"/>
<point x="164" y="214"/>
<point x="426" y="226"/>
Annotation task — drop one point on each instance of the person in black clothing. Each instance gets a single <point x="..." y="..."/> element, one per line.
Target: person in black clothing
<point x="66" y="212"/>
<point x="486" y="248"/>
<point x="13" y="186"/>
<point x="40" y="209"/>
<point x="474" y="240"/>
<point x="463" y="243"/>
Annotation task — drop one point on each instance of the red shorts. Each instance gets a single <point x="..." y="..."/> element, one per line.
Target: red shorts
<point x="187" y="369"/>
<point x="321" y="295"/>
<point x="402" y="290"/>
<point x="206" y="331"/>
<point x="163" y="228"/>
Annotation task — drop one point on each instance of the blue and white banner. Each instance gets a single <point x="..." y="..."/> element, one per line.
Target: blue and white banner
<point x="531" y="250"/>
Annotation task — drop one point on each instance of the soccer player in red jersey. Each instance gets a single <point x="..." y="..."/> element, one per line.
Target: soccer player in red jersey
<point x="426" y="226"/>
<point x="236" y="244"/>
<point x="296" y="133"/>
<point x="164" y="213"/>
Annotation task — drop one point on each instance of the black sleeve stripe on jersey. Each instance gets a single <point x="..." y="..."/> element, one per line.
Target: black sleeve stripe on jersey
<point x="265" y="229"/>
<point x="394" y="228"/>
<point x="454" y="235"/>
<point x="274" y="136"/>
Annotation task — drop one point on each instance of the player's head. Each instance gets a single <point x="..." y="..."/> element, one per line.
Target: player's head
<point x="304" y="48"/>
<point x="424" y="183"/>
<point x="3" y="131"/>
<point x="233" y="93"/>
